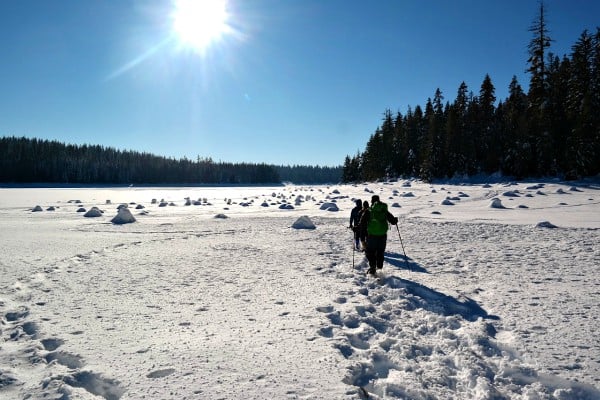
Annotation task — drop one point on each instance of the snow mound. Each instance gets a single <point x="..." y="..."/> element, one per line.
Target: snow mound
<point x="93" y="212"/>
<point x="37" y="209"/>
<point x="303" y="223"/>
<point x="535" y="187"/>
<point x="409" y="194"/>
<point x="221" y="216"/>
<point x="511" y="193"/>
<point x="396" y="205"/>
<point x="329" y="207"/>
<point x="286" y="207"/>
<point x="124" y="216"/>
<point x="496" y="203"/>
<point x="545" y="224"/>
<point x="446" y="202"/>
<point x="81" y="210"/>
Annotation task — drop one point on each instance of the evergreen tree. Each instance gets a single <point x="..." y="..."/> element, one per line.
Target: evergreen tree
<point x="595" y="90"/>
<point x="537" y="58"/>
<point x="456" y="130"/>
<point x="580" y="147"/>
<point x="538" y="90"/>
<point x="399" y="148"/>
<point x="558" y="79"/>
<point x="373" y="165"/>
<point x="387" y="139"/>
<point x="487" y="146"/>
<point x="415" y="129"/>
<point x="432" y="164"/>
<point x="516" y="128"/>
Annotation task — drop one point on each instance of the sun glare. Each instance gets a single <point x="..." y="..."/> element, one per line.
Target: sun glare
<point x="199" y="23"/>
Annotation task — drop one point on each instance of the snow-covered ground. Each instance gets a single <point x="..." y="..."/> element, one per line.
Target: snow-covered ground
<point x="499" y="297"/>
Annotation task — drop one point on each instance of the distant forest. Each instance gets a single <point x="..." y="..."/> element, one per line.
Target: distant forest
<point x="553" y="130"/>
<point x="24" y="160"/>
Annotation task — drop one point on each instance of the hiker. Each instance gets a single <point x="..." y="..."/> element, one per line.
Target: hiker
<point x="354" y="220"/>
<point x="362" y="229"/>
<point x="376" y="221"/>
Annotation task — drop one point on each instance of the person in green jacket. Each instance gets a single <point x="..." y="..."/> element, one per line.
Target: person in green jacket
<point x="376" y="221"/>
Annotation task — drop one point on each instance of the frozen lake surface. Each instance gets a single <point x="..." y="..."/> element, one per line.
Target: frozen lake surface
<point x="223" y="299"/>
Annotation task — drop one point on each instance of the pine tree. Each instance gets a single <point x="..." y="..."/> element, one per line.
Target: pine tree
<point x="415" y="129"/>
<point x="488" y="147"/>
<point x="579" y="108"/>
<point x="595" y="91"/>
<point x="538" y="90"/>
<point x="387" y="139"/>
<point x="537" y="57"/>
<point x="516" y="128"/>
<point x="458" y="132"/>
<point x="558" y="78"/>
<point x="432" y="164"/>
<point x="373" y="166"/>
<point x="399" y="148"/>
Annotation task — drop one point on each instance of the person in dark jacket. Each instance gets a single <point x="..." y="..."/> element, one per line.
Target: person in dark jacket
<point x="362" y="229"/>
<point x="354" y="221"/>
<point x="376" y="222"/>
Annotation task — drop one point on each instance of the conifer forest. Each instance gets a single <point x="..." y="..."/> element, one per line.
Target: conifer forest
<point x="552" y="130"/>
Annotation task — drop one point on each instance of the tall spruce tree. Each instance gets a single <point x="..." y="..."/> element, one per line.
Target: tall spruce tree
<point x="538" y="89"/>
<point x="516" y="127"/>
<point x="457" y="132"/>
<point x="596" y="101"/>
<point x="580" y="106"/>
<point x="488" y="147"/>
<point x="399" y="148"/>
<point x="558" y="79"/>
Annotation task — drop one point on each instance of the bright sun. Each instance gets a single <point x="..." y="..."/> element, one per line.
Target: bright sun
<point x="199" y="23"/>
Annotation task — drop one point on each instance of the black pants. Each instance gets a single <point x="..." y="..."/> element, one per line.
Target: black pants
<point x="356" y="236"/>
<point x="375" y="251"/>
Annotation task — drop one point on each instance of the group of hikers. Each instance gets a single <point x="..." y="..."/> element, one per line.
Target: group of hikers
<point x="370" y="226"/>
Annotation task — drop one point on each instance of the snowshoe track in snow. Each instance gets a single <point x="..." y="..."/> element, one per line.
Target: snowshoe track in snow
<point x="404" y="338"/>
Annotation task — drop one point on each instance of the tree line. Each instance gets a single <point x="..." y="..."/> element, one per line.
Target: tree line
<point x="552" y="130"/>
<point x="25" y="160"/>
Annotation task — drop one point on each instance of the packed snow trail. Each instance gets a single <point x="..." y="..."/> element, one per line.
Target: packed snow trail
<point x="408" y="340"/>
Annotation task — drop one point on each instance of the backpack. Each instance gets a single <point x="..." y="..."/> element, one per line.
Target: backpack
<point x="378" y="224"/>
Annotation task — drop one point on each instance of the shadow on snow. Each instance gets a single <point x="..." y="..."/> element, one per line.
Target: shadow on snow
<point x="399" y="261"/>
<point x="439" y="302"/>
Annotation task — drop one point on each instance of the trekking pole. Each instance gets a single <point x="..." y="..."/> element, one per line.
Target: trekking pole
<point x="353" y="250"/>
<point x="405" y="258"/>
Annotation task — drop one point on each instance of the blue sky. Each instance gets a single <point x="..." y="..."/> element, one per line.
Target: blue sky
<point x="292" y="82"/>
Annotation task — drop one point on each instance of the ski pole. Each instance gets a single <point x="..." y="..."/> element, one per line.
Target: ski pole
<point x="353" y="250"/>
<point x="405" y="258"/>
